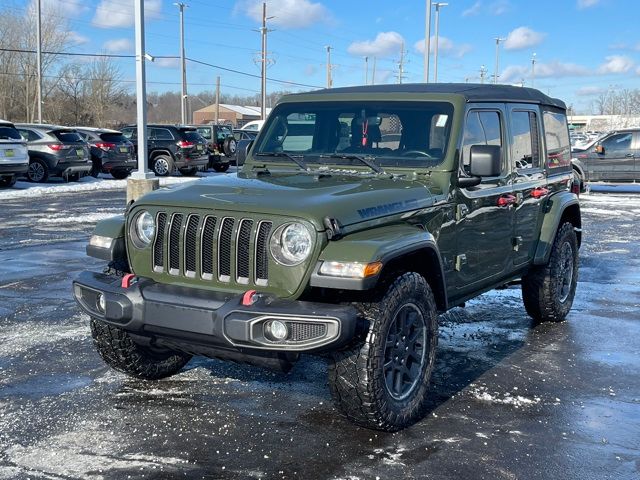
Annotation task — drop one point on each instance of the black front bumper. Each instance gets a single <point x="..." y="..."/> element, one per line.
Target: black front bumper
<point x="182" y="316"/>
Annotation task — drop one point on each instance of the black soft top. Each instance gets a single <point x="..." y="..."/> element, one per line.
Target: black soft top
<point x="472" y="92"/>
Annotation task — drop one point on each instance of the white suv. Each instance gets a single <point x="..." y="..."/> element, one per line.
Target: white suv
<point x="14" y="157"/>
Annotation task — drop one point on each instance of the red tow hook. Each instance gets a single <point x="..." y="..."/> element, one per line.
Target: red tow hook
<point x="249" y="298"/>
<point x="128" y="280"/>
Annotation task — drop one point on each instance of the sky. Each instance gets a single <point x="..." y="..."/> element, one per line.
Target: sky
<point x="582" y="48"/>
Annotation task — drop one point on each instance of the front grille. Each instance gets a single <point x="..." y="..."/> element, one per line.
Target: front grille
<point x="223" y="249"/>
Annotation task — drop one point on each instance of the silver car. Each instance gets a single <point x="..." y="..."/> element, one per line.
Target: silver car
<point x="14" y="158"/>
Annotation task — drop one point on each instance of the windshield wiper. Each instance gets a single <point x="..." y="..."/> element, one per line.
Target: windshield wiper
<point x="350" y="156"/>
<point x="295" y="159"/>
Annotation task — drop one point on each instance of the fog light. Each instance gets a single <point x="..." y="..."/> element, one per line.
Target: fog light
<point x="101" y="303"/>
<point x="277" y="330"/>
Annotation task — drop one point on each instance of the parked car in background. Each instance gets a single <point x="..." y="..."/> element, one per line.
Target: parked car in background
<point x="54" y="151"/>
<point x="14" y="158"/>
<point x="255" y="125"/>
<point x="172" y="148"/>
<point x="240" y="134"/>
<point x="220" y="143"/>
<point x="110" y="152"/>
<point x="614" y="158"/>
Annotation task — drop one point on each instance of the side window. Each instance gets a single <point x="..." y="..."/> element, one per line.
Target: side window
<point x="620" y="141"/>
<point x="556" y="134"/>
<point x="29" y="135"/>
<point x="205" y="132"/>
<point x="129" y="133"/>
<point x="482" y="128"/>
<point x="526" y="141"/>
<point x="161" y="134"/>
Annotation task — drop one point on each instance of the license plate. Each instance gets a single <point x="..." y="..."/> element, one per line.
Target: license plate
<point x="80" y="152"/>
<point x="9" y="153"/>
<point x="200" y="148"/>
<point x="124" y="150"/>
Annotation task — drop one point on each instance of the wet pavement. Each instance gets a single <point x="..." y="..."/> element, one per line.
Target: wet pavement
<point x="510" y="400"/>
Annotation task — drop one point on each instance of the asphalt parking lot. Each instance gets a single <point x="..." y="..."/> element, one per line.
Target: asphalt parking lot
<point x="509" y="400"/>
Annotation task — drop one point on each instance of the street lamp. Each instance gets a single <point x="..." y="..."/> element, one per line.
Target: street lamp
<point x="427" y="41"/>
<point x="495" y="73"/>
<point x="533" y="69"/>
<point x="438" y="5"/>
<point x="183" y="103"/>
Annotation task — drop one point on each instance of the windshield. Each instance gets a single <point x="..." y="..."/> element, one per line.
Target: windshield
<point x="393" y="133"/>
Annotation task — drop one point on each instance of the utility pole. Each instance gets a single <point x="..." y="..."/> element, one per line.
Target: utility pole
<point x="39" y="58"/>
<point x="329" y="67"/>
<point x="366" y="70"/>
<point x="483" y="74"/>
<point x="427" y="41"/>
<point x="183" y="99"/>
<point x="373" y="73"/>
<point x="401" y="63"/>
<point x="438" y="6"/>
<point x="495" y="73"/>
<point x="533" y="70"/>
<point x="263" y="61"/>
<point x="217" y="99"/>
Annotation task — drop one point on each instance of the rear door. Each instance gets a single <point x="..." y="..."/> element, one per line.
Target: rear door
<point x="76" y="149"/>
<point x="529" y="178"/>
<point x="12" y="146"/>
<point x="485" y="213"/>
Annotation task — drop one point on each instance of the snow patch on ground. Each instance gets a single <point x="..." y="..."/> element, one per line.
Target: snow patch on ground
<point x="88" y="218"/>
<point x="518" y="401"/>
<point x="24" y="336"/>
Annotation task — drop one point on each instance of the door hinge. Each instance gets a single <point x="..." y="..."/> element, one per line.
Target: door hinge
<point x="461" y="211"/>
<point x="460" y="261"/>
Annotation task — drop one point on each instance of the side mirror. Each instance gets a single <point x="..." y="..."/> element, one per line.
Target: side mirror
<point x="242" y="150"/>
<point x="485" y="160"/>
<point x="599" y="149"/>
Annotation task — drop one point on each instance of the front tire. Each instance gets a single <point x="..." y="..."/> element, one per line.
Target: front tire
<point x="382" y="383"/>
<point x="548" y="290"/>
<point x="120" y="352"/>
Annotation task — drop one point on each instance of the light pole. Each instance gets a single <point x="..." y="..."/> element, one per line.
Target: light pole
<point x="183" y="99"/>
<point x="483" y="73"/>
<point x="329" y="67"/>
<point x="533" y="69"/>
<point x="39" y="58"/>
<point x="438" y="5"/>
<point x="427" y="41"/>
<point x="366" y="70"/>
<point x="495" y="73"/>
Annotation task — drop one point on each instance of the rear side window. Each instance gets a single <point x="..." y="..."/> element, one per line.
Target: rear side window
<point x="621" y="141"/>
<point x="68" y="137"/>
<point x="29" y="135"/>
<point x="191" y="136"/>
<point x="129" y="132"/>
<point x="223" y="132"/>
<point x="556" y="134"/>
<point x="482" y="128"/>
<point x="113" y="137"/>
<point x="205" y="132"/>
<point x="161" y="134"/>
<point x="526" y="143"/>
<point x="8" y="133"/>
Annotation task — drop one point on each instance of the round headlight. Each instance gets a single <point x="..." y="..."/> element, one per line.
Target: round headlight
<point x="145" y="228"/>
<point x="291" y="244"/>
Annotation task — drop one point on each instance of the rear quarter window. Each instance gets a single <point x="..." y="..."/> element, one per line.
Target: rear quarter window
<point x="556" y="135"/>
<point x="68" y="137"/>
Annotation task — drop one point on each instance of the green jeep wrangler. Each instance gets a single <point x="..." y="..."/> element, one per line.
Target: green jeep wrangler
<point x="358" y="215"/>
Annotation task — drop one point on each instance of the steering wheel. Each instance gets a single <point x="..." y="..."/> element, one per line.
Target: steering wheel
<point x="418" y="153"/>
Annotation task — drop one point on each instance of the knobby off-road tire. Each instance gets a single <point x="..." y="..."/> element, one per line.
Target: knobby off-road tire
<point x="363" y="377"/>
<point x="120" y="352"/>
<point x="548" y="290"/>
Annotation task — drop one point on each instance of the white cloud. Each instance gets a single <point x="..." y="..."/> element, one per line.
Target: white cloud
<point x="616" y="64"/>
<point x="523" y="37"/>
<point x="515" y="73"/>
<point x="582" y="4"/>
<point x="286" y="13"/>
<point x="68" y="8"/>
<point x="118" y="45"/>
<point x="120" y="13"/>
<point x="167" y="62"/>
<point x="499" y="7"/>
<point x="76" y="39"/>
<point x="385" y="43"/>
<point x="446" y="47"/>
<point x="473" y="10"/>
<point x="589" y="91"/>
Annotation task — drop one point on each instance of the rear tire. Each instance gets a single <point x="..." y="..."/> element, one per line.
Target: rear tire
<point x="382" y="382"/>
<point x="189" y="172"/>
<point x="120" y="352"/>
<point x="120" y="174"/>
<point x="38" y="171"/>
<point x="162" y="165"/>
<point x="221" y="167"/>
<point x="548" y="290"/>
<point x="8" y="181"/>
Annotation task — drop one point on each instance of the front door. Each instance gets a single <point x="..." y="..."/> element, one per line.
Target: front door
<point x="529" y="179"/>
<point x="616" y="162"/>
<point x="484" y="213"/>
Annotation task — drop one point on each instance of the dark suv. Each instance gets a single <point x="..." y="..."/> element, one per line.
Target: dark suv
<point x="54" y="151"/>
<point x="221" y="144"/>
<point x="172" y="147"/>
<point x="110" y="150"/>
<point x="14" y="159"/>
<point x="614" y="158"/>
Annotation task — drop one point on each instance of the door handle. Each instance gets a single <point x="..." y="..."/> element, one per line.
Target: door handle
<point x="539" y="192"/>
<point x="507" y="200"/>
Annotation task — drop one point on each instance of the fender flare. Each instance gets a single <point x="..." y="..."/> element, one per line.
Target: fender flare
<point x="562" y="205"/>
<point x="113" y="228"/>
